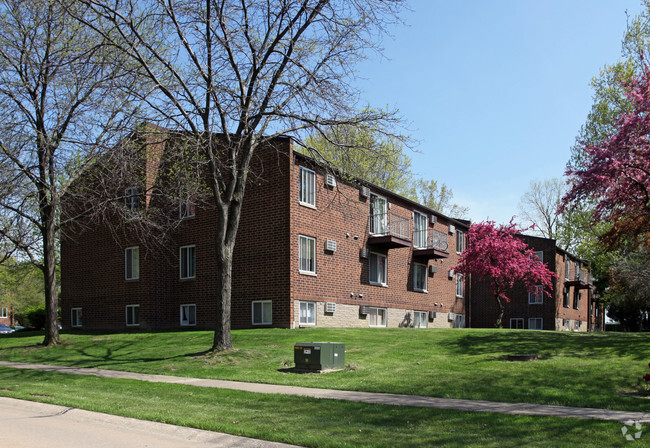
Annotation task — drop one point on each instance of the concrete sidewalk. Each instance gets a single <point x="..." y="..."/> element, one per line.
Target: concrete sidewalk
<point x="364" y="397"/>
<point x="30" y="424"/>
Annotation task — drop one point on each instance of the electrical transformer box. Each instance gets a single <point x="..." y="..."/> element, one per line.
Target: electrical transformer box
<point x="319" y="355"/>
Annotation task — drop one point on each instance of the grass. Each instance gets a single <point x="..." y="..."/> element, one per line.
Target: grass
<point x="585" y="370"/>
<point x="304" y="421"/>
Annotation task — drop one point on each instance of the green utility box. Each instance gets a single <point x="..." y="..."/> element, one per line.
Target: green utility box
<point x="319" y="355"/>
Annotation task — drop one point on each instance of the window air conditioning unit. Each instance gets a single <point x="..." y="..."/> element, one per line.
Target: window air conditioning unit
<point x="451" y="273"/>
<point x="330" y="180"/>
<point x="433" y="219"/>
<point x="452" y="228"/>
<point x="365" y="192"/>
<point x="451" y="316"/>
<point x="433" y="269"/>
<point x="432" y="315"/>
<point x="330" y="307"/>
<point x="364" y="252"/>
<point x="364" y="309"/>
<point x="330" y="245"/>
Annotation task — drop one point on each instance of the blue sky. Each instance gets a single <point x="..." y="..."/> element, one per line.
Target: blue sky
<point x="495" y="92"/>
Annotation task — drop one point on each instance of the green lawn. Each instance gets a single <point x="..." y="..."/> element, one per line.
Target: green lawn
<point x="587" y="370"/>
<point x="305" y="421"/>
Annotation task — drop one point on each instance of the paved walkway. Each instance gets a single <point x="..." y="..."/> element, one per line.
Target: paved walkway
<point x="364" y="397"/>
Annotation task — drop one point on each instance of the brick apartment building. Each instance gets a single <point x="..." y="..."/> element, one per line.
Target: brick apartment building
<point x="571" y="307"/>
<point x="6" y="315"/>
<point x="313" y="249"/>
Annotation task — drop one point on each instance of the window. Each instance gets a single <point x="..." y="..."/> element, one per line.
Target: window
<point x="75" y="317"/>
<point x="307" y="313"/>
<point x="188" y="262"/>
<point x="188" y="315"/>
<point x="378" y="215"/>
<point x="535" y="323"/>
<point x="132" y="198"/>
<point x="377" y="269"/>
<point x="565" y="298"/>
<point x="577" y="325"/>
<point x="567" y="269"/>
<point x="536" y="297"/>
<point x="377" y="317"/>
<point x="262" y="312"/>
<point x="567" y="324"/>
<point x="460" y="285"/>
<point x="576" y="299"/>
<point x="420" y="223"/>
<point x="420" y="277"/>
<point x="187" y="208"/>
<point x="132" y="315"/>
<point x="460" y="241"/>
<point x="307" y="255"/>
<point x="307" y="187"/>
<point x="540" y="255"/>
<point x="517" y="323"/>
<point x="3" y="311"/>
<point x="420" y="319"/>
<point x="132" y="263"/>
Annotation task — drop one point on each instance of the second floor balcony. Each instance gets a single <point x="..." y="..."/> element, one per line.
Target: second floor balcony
<point x="430" y="244"/>
<point x="579" y="280"/>
<point x="389" y="230"/>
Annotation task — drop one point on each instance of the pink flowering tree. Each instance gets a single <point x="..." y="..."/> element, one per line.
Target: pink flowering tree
<point x="496" y="254"/>
<point x="616" y="171"/>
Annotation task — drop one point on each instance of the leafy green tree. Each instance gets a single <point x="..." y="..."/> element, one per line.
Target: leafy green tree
<point x="439" y="198"/>
<point x="365" y="153"/>
<point x="629" y="294"/>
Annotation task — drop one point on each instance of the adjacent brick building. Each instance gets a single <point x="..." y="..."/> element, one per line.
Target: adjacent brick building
<point x="313" y="249"/>
<point x="571" y="306"/>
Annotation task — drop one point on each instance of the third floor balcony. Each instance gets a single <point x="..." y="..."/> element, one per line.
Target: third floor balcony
<point x="389" y="230"/>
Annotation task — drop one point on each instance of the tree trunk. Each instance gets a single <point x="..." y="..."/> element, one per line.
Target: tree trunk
<point x="222" y="340"/>
<point x="499" y="322"/>
<point x="51" y="297"/>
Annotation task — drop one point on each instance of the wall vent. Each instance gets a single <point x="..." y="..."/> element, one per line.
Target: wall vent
<point x="330" y="307"/>
<point x="330" y="180"/>
<point x="364" y="192"/>
<point x="433" y="219"/>
<point x="451" y="317"/>
<point x="432" y="315"/>
<point x="452" y="228"/>
<point x="364" y="252"/>
<point x="330" y="245"/>
<point x="433" y="269"/>
<point x="451" y="273"/>
<point x="364" y="309"/>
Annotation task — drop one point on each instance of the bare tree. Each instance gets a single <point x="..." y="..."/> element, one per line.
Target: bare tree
<point x="235" y="74"/>
<point x="58" y="110"/>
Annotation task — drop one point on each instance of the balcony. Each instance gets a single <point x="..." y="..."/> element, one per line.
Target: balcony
<point x="578" y="280"/>
<point x="432" y="244"/>
<point x="389" y="231"/>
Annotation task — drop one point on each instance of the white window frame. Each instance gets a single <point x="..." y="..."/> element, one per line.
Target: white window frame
<point x="536" y="319"/>
<point x="540" y="255"/>
<point x="187" y="261"/>
<point x="536" y="298"/>
<point x="420" y="319"/>
<point x="577" y="295"/>
<point x="306" y="313"/>
<point x="517" y="319"/>
<point x="420" y="271"/>
<point x="307" y="187"/>
<point x="4" y="312"/>
<point x="305" y="262"/>
<point x="263" y="305"/>
<point x="576" y="325"/>
<point x="187" y="207"/>
<point x="132" y="199"/>
<point x="378" y="221"/>
<point x="76" y="318"/>
<point x="374" y="259"/>
<point x="132" y="255"/>
<point x="130" y="312"/>
<point x="187" y="322"/>
<point x="567" y="269"/>
<point x="420" y="230"/>
<point x="566" y="297"/>
<point x="460" y="241"/>
<point x="374" y="313"/>
<point x="460" y="285"/>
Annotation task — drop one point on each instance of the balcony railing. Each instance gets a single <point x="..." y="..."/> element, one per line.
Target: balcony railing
<point x="580" y="277"/>
<point x="389" y="224"/>
<point x="432" y="239"/>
